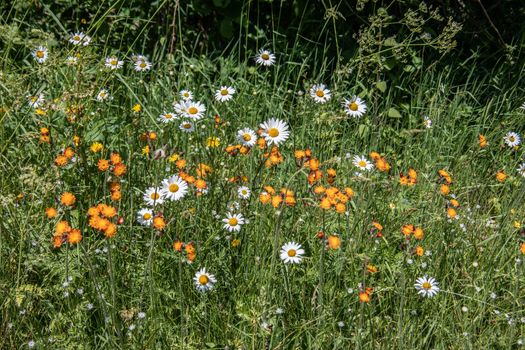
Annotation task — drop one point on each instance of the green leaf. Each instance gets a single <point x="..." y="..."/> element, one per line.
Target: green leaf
<point x="394" y="113"/>
<point x="381" y="86"/>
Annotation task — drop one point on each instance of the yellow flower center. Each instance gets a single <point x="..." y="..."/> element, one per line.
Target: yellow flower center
<point x="265" y="56"/>
<point x="146" y="216"/>
<point x="224" y="92"/>
<point x="192" y="110"/>
<point x="40" y="54"/>
<point x="244" y="192"/>
<point x="142" y="64"/>
<point x="273" y="132"/>
<point x="362" y="163"/>
<point x="292" y="253"/>
<point x="102" y="94"/>
<point x="353" y="106"/>
<point x="319" y="93"/>
<point x="168" y="116"/>
<point x="233" y="222"/>
<point x="246" y="137"/>
<point x="34" y="99"/>
<point x="187" y="126"/>
<point x="76" y="38"/>
<point x="114" y="62"/>
<point x="203" y="279"/>
<point x="511" y="138"/>
<point x="174" y="188"/>
<point x="155" y="196"/>
<point x="186" y="94"/>
<point x="427" y="285"/>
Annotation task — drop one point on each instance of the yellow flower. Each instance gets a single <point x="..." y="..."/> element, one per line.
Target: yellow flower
<point x="236" y="242"/>
<point x="137" y="108"/>
<point x="40" y="112"/>
<point x="212" y="142"/>
<point x="517" y="224"/>
<point x="173" y="158"/>
<point x="96" y="147"/>
<point x="145" y="150"/>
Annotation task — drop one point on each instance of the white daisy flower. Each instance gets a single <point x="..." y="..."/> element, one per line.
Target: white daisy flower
<point x="244" y="192"/>
<point x="113" y="63"/>
<point x="204" y="281"/>
<point x="247" y="137"/>
<point x="225" y="93"/>
<point x="142" y="65"/>
<point x="512" y="139"/>
<point x="194" y="110"/>
<point x="265" y="58"/>
<point x="174" y="188"/>
<point x="167" y="117"/>
<point x="79" y="38"/>
<point x="354" y="107"/>
<point x="275" y="131"/>
<point x="427" y="122"/>
<point x="362" y="163"/>
<point x="103" y="95"/>
<point x="320" y="93"/>
<point x="40" y="54"/>
<point x="291" y="253"/>
<point x="186" y="95"/>
<point x="427" y="287"/>
<point x="233" y="222"/>
<point x="145" y="217"/>
<point x="187" y="126"/>
<point x="71" y="60"/>
<point x="523" y="106"/>
<point x="153" y="196"/>
<point x="179" y="108"/>
<point x="138" y="57"/>
<point x="35" y="101"/>
<point x="521" y="169"/>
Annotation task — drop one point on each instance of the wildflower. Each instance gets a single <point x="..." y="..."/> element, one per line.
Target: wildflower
<point x="333" y="242"/>
<point x="35" y="101"/>
<point x="320" y="93"/>
<point x="212" y="142"/>
<point x="244" y="192"/>
<point x="246" y="137"/>
<point x="51" y="212"/>
<point x="187" y="126"/>
<point x="501" y="176"/>
<point x="153" y="196"/>
<point x="225" y="93"/>
<point x="68" y="199"/>
<point x="174" y="188"/>
<point x="522" y="248"/>
<point x="186" y="95"/>
<point x="265" y="58"/>
<point x="40" y="54"/>
<point x="71" y="60"/>
<point x="103" y="164"/>
<point x="96" y="147"/>
<point x="521" y="169"/>
<point x="142" y="65"/>
<point x="137" y="108"/>
<point x="451" y="213"/>
<point x="418" y="233"/>
<point x="61" y="160"/>
<point x="119" y="169"/>
<point x="167" y="117"/>
<point x="233" y="222"/>
<point x="159" y="223"/>
<point x="291" y="252"/>
<point x="371" y="268"/>
<point x="512" y="139"/>
<point x="444" y="189"/>
<point x="74" y="237"/>
<point x="427" y="287"/>
<point x="362" y="163"/>
<point x="113" y="63"/>
<point x="482" y="141"/>
<point x="275" y="131"/>
<point x="355" y="107"/>
<point x="427" y="122"/>
<point x="193" y="110"/>
<point x="204" y="281"/>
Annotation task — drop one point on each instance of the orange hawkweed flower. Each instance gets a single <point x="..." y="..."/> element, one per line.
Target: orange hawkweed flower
<point x="522" y="248"/>
<point x="74" y="237"/>
<point x="419" y="250"/>
<point x="159" y="223"/>
<point x="119" y="169"/>
<point x="265" y="197"/>
<point x="61" y="160"/>
<point x="62" y="227"/>
<point x="371" y="268"/>
<point x="68" y="199"/>
<point x="177" y="246"/>
<point x="407" y="230"/>
<point x="103" y="164"/>
<point x="115" y="158"/>
<point x="51" y="212"/>
<point x="482" y="141"/>
<point x="418" y="233"/>
<point x="334" y="242"/>
<point x="69" y="153"/>
<point x="451" y="212"/>
<point x="382" y="165"/>
<point x="111" y="230"/>
<point x="501" y="176"/>
<point x="444" y="189"/>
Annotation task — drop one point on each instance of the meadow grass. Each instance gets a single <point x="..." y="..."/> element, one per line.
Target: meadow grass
<point x="134" y="290"/>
